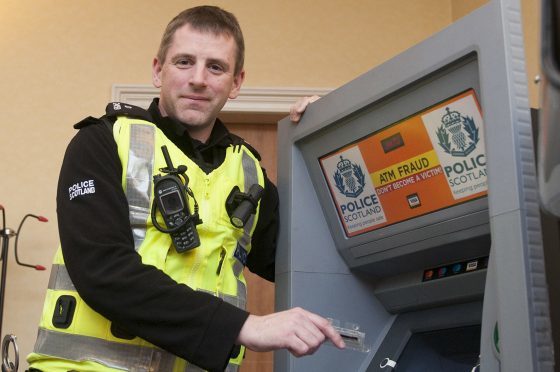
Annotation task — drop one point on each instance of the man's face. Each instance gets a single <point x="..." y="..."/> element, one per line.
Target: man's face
<point x="197" y="78"/>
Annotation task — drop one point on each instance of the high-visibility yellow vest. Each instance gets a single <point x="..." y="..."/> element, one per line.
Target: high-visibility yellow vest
<point x="216" y="266"/>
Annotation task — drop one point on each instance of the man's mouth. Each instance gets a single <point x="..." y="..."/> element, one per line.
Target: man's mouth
<point x="195" y="98"/>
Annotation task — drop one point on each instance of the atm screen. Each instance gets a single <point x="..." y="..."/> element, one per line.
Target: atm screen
<point x="430" y="161"/>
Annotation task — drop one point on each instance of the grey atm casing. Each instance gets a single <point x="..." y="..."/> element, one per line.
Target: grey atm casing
<point x="382" y="252"/>
<point x="371" y="278"/>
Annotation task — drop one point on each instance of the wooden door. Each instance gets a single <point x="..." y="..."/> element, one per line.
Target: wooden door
<point x="260" y="296"/>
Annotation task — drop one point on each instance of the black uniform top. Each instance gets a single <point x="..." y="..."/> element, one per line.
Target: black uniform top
<point x="98" y="249"/>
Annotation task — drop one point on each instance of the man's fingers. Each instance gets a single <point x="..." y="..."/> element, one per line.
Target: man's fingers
<point x="321" y="329"/>
<point x="335" y="337"/>
<point x="297" y="110"/>
<point x="298" y="330"/>
<point x="298" y="347"/>
<point x="313" y="98"/>
<point x="306" y="341"/>
<point x="311" y="335"/>
<point x="327" y="330"/>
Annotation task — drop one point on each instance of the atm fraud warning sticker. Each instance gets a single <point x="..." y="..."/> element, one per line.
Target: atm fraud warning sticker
<point x="456" y="132"/>
<point x="355" y="197"/>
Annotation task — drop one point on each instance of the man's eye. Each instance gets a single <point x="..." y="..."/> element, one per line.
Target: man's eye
<point x="216" y="68"/>
<point x="183" y="62"/>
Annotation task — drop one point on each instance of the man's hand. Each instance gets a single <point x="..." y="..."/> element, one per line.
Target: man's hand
<point x="297" y="110"/>
<point x="297" y="330"/>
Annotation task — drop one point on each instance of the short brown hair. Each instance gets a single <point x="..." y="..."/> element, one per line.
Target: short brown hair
<point x="205" y="18"/>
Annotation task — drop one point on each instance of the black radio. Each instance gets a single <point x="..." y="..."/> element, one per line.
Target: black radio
<point x="171" y="198"/>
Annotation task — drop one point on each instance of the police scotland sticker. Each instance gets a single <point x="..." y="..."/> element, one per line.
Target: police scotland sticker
<point x="456" y="131"/>
<point x="423" y="163"/>
<point x="353" y="191"/>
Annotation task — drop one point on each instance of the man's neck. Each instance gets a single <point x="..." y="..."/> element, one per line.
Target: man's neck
<point x="201" y="134"/>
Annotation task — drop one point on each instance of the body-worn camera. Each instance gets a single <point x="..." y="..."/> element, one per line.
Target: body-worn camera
<point x="171" y="193"/>
<point x="240" y="206"/>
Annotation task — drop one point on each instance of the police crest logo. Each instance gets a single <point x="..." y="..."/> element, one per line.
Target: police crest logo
<point x="456" y="130"/>
<point x="349" y="178"/>
<point x="463" y="130"/>
<point x="352" y="190"/>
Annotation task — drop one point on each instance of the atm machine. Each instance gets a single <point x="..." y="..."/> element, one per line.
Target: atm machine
<point x="409" y="207"/>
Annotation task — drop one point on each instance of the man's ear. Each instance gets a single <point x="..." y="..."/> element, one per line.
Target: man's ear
<point x="156" y="73"/>
<point x="237" y="81"/>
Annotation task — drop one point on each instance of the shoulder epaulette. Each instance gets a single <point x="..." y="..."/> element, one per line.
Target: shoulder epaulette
<point x="238" y="141"/>
<point x="90" y="120"/>
<point x="115" y="109"/>
<point x="85" y="122"/>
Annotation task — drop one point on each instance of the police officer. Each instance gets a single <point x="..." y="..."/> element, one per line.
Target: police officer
<point x="120" y="296"/>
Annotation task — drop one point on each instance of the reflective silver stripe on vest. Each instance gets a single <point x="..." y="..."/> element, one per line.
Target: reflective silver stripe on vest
<point x="79" y="348"/>
<point x="250" y="178"/>
<point x="238" y="268"/>
<point x="139" y="174"/>
<point x="60" y="280"/>
<point x="241" y="295"/>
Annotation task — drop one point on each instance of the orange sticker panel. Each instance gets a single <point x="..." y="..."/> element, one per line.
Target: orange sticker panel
<point x="430" y="161"/>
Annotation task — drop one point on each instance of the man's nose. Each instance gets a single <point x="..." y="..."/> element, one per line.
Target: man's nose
<point x="198" y="76"/>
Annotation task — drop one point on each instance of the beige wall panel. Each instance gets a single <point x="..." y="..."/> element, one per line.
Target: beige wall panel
<point x="532" y="38"/>
<point x="317" y="43"/>
<point x="460" y="8"/>
<point x="530" y="12"/>
<point x="60" y="58"/>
